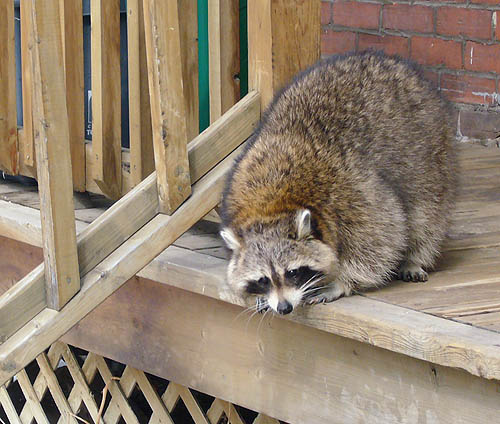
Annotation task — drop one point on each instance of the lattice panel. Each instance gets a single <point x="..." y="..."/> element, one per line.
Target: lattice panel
<point x="65" y="385"/>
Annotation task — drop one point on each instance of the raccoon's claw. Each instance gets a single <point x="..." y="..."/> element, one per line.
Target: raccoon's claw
<point x="326" y="296"/>
<point x="413" y="273"/>
<point x="261" y="305"/>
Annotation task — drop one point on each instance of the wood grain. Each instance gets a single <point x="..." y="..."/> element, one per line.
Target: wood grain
<point x="106" y="95"/>
<point x="168" y="106"/>
<point x="53" y="157"/>
<point x="224" y="55"/>
<point x="283" y="39"/>
<point x="72" y="39"/>
<point x="8" y="112"/>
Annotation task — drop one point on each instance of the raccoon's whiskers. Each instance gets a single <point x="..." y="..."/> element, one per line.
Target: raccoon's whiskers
<point x="244" y="311"/>
<point x="311" y="282"/>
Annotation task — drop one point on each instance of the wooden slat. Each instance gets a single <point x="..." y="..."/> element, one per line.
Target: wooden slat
<point x="188" y="21"/>
<point x="134" y="210"/>
<point x="283" y="39"/>
<point x="8" y="112"/>
<point x="141" y="138"/>
<point x="72" y="39"/>
<point x="287" y="370"/>
<point x="224" y="55"/>
<point x="53" y="157"/>
<point x="31" y="398"/>
<point x="106" y="95"/>
<point x="8" y="406"/>
<point x="48" y="326"/>
<point x="168" y="106"/>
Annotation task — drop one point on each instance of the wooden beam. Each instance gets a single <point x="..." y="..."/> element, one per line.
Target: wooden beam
<point x="48" y="326"/>
<point x="141" y="137"/>
<point x="106" y="95"/>
<point x="224" y="55"/>
<point x="53" y="157"/>
<point x="8" y="111"/>
<point x="168" y="106"/>
<point x="188" y="21"/>
<point x="27" y="157"/>
<point x="72" y="39"/>
<point x="283" y="39"/>
<point x="134" y="210"/>
<point x="213" y="347"/>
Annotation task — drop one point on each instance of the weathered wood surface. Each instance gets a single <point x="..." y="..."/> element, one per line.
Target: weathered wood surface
<point x="8" y="112"/>
<point x="283" y="39"/>
<point x="224" y="55"/>
<point x="135" y="209"/>
<point x="72" y="39"/>
<point x="168" y="105"/>
<point x="53" y="154"/>
<point x="317" y="377"/>
<point x="106" y="95"/>
<point x="48" y="326"/>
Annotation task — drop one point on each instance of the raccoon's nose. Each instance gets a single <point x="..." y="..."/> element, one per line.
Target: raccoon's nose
<point x="284" y="307"/>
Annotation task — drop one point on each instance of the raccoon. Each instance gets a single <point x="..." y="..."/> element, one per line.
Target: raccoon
<point x="348" y="181"/>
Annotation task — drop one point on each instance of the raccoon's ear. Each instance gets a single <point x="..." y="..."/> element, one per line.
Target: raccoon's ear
<point x="303" y="221"/>
<point x="231" y="239"/>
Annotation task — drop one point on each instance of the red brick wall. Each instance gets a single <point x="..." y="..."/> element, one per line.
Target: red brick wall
<point x="457" y="42"/>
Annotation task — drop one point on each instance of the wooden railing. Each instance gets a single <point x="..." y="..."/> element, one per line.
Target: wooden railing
<point x="163" y="107"/>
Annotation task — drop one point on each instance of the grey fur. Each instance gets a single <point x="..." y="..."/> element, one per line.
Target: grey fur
<point x="365" y="144"/>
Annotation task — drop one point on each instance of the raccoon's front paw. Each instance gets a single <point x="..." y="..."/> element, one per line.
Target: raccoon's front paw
<point x="261" y="305"/>
<point x="326" y="295"/>
<point x="411" y="272"/>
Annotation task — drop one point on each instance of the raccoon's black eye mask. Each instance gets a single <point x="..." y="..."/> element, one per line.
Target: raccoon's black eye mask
<point x="302" y="275"/>
<point x="260" y="286"/>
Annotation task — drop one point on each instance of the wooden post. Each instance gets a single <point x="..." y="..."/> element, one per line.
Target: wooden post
<point x="188" y="18"/>
<point x="8" y="115"/>
<point x="168" y="106"/>
<point x="224" y="55"/>
<point x="53" y="156"/>
<point x="283" y="39"/>
<point x="141" y="137"/>
<point x="106" y="95"/>
<point x="72" y="38"/>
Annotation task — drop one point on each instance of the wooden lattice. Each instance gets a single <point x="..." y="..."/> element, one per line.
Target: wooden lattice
<point x="63" y="386"/>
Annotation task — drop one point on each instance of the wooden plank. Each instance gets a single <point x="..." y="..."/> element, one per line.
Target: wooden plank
<point x="188" y="18"/>
<point x="168" y="106"/>
<point x="8" y="406"/>
<point x="283" y="39"/>
<point x="53" y="157"/>
<point x="141" y="137"/>
<point x="224" y="55"/>
<point x="106" y="95"/>
<point x="134" y="210"/>
<point x="322" y="378"/>
<point x="8" y="111"/>
<point x="27" y="156"/>
<point x="23" y="346"/>
<point x="72" y="39"/>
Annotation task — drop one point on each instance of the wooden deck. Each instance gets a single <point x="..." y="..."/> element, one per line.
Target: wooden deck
<point x="452" y="321"/>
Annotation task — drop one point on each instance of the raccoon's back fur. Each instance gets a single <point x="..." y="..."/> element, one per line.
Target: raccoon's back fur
<point x="364" y="144"/>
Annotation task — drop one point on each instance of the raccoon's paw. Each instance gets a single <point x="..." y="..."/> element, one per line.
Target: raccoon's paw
<point x="261" y="305"/>
<point x="327" y="295"/>
<point x="411" y="272"/>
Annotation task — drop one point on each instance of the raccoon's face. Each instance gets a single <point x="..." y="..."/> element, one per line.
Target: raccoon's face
<point x="281" y="263"/>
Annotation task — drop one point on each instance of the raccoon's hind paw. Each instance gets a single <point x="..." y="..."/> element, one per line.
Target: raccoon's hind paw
<point x="411" y="272"/>
<point x="261" y="305"/>
<point x="327" y="295"/>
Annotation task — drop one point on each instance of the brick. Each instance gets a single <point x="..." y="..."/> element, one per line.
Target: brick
<point x="432" y="76"/>
<point x="435" y="52"/>
<point x="446" y="1"/>
<point x="470" y="23"/>
<point x="333" y="42"/>
<point x="388" y="43"/>
<point x="356" y="15"/>
<point x="405" y="17"/>
<point x="482" y="58"/>
<point x="495" y="2"/>
<point x="326" y="13"/>
<point x="496" y="24"/>
<point x="469" y="89"/>
<point x="480" y="124"/>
